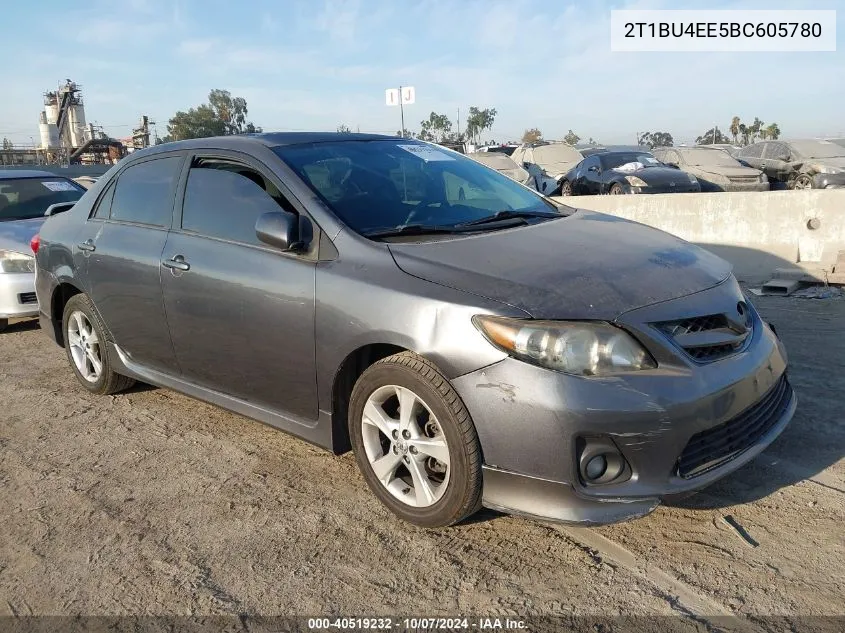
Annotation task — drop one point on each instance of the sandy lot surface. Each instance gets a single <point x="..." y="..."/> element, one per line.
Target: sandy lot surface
<point x="152" y="503"/>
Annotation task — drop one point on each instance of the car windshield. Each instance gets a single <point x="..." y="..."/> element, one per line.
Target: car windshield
<point x="381" y="184"/>
<point x="818" y="149"/>
<point x="612" y="161"/>
<point x="25" y="198"/>
<point x="708" y="158"/>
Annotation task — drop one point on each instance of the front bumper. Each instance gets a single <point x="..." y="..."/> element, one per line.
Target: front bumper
<point x="17" y="295"/>
<point x="828" y="181"/>
<point x="531" y="421"/>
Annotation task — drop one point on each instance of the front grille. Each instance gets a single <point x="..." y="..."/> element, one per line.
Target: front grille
<point x="711" y="448"/>
<point x="711" y="337"/>
<point x="27" y="297"/>
<point x="743" y="179"/>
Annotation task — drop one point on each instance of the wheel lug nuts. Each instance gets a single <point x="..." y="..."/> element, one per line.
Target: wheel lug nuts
<point x="395" y="449"/>
<point x="414" y="450"/>
<point x="395" y="434"/>
<point x="406" y="434"/>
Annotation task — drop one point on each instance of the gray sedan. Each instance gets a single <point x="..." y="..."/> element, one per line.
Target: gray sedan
<point x="715" y="169"/>
<point x="496" y="350"/>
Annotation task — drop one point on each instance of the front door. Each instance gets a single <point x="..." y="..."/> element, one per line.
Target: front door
<point x="241" y="313"/>
<point x="121" y="247"/>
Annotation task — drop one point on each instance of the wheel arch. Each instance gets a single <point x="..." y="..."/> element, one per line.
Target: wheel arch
<point x="61" y="295"/>
<point x="349" y="370"/>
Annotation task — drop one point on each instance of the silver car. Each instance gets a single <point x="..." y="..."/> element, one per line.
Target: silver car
<point x="25" y="196"/>
<point x="494" y="349"/>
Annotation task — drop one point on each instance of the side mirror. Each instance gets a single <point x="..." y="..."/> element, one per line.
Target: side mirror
<point x="59" y="207"/>
<point x="784" y="157"/>
<point x="283" y="230"/>
<point x="673" y="165"/>
<point x="593" y="168"/>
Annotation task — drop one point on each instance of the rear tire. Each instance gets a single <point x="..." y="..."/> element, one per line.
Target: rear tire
<point x="402" y="412"/>
<point x="85" y="345"/>
<point x="566" y="188"/>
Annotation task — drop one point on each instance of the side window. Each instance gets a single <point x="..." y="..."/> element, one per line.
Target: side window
<point x="752" y="151"/>
<point x="103" y="209"/>
<point x="144" y="192"/>
<point x="226" y="199"/>
<point x="590" y="161"/>
<point x="776" y="151"/>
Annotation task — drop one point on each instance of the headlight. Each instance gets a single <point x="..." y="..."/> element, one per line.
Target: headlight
<point x="692" y="179"/>
<point x="582" y="348"/>
<point x="636" y="182"/>
<point x="825" y="169"/>
<point x="12" y="262"/>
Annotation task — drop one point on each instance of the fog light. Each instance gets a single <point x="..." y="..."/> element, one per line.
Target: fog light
<point x="596" y="467"/>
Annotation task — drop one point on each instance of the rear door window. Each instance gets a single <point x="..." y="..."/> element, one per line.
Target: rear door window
<point x="144" y="192"/>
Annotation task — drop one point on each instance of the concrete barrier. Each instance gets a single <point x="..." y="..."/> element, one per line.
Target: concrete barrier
<point x="756" y="231"/>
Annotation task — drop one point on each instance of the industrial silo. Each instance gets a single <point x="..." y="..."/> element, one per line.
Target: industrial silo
<point x="48" y="131"/>
<point x="76" y="123"/>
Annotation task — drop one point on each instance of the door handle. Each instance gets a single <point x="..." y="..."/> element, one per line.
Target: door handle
<point x="177" y="263"/>
<point x="87" y="246"/>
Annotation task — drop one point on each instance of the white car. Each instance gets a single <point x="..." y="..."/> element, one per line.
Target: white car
<point x="25" y="199"/>
<point x="547" y="164"/>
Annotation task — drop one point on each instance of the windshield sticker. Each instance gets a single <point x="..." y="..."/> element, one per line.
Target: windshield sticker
<point x="58" y="185"/>
<point x="428" y="154"/>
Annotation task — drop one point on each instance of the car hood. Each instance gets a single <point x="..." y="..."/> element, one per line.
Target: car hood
<point x="16" y="234"/>
<point x="585" y="266"/>
<point x="724" y="172"/>
<point x="830" y="162"/>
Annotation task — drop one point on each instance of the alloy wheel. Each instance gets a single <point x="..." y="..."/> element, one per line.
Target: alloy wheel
<point x="85" y="348"/>
<point x="405" y="446"/>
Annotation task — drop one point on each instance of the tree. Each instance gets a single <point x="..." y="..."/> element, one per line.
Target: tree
<point x="656" y="139"/>
<point x="407" y="134"/>
<point x="754" y="128"/>
<point x="344" y="129"/>
<point x="735" y="128"/>
<point x="744" y="132"/>
<point x="708" y="137"/>
<point x="773" y="131"/>
<point x="532" y="136"/>
<point x="7" y="144"/>
<point x="478" y="121"/>
<point x="435" y="128"/>
<point x="571" y="137"/>
<point x="222" y="115"/>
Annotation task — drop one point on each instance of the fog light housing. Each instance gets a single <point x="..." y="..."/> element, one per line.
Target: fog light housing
<point x="600" y="461"/>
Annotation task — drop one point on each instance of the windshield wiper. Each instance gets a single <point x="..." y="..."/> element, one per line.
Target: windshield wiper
<point x="510" y="215"/>
<point x="411" y="229"/>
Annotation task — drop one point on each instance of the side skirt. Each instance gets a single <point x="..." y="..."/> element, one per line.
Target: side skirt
<point x="317" y="432"/>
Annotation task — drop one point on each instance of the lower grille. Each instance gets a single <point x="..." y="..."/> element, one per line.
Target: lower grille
<point x="27" y="297"/>
<point x="711" y="448"/>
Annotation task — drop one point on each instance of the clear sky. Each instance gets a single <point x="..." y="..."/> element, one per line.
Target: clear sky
<point x="314" y="64"/>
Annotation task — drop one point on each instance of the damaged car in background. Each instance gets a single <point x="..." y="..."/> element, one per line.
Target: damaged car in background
<point x="547" y="163"/>
<point x="802" y="164"/>
<point x="505" y="165"/>
<point x="25" y="199"/>
<point x="624" y="172"/>
<point x="715" y="169"/>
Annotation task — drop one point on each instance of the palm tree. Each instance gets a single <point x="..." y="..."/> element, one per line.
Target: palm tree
<point x="773" y="131"/>
<point x="743" y="130"/>
<point x="735" y="128"/>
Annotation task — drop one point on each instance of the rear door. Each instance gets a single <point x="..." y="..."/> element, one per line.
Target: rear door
<point x="241" y="313"/>
<point x="121" y="247"/>
<point x="776" y="168"/>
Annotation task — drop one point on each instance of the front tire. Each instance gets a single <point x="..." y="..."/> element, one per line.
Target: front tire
<point x="802" y="181"/>
<point x="85" y="345"/>
<point x="4" y="323"/>
<point x="414" y="442"/>
<point x="616" y="190"/>
<point x="566" y="188"/>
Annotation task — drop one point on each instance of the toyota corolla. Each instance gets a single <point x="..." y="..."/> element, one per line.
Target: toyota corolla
<point x="492" y="349"/>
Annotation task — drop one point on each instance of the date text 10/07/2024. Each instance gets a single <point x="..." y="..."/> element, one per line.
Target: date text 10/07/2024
<point x="392" y="624"/>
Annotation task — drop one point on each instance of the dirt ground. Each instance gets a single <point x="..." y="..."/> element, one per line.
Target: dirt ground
<point x="153" y="503"/>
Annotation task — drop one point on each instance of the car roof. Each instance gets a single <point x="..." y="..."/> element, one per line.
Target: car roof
<point x="271" y="139"/>
<point x="8" y="174"/>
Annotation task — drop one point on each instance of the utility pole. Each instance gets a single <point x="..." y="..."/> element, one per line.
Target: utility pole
<point x="459" y="123"/>
<point x="402" y="111"/>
